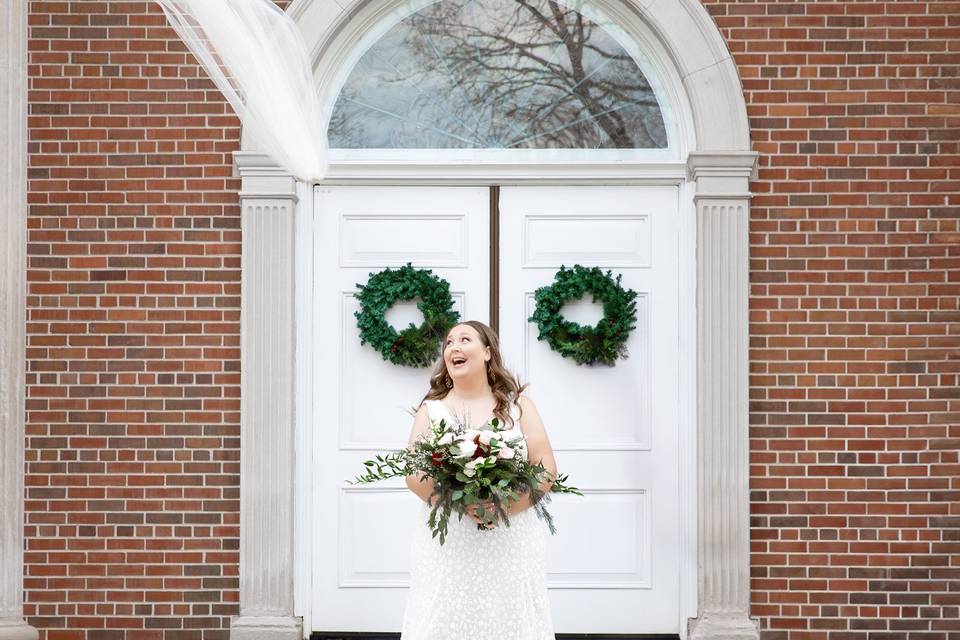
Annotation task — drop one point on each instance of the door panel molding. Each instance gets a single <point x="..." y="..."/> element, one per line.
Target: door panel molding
<point x="611" y="426"/>
<point x="354" y="406"/>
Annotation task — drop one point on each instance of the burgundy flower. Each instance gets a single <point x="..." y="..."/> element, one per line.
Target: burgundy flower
<point x="481" y="449"/>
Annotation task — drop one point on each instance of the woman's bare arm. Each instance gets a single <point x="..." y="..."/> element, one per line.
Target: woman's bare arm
<point x="538" y="450"/>
<point x="421" y="424"/>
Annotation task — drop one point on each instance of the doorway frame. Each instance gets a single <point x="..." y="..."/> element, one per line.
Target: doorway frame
<point x="307" y="360"/>
<point x="712" y="173"/>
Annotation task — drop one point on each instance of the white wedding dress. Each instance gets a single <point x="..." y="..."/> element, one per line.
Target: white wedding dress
<point x="479" y="585"/>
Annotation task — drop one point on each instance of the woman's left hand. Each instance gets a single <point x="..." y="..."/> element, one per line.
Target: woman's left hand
<point x="488" y="514"/>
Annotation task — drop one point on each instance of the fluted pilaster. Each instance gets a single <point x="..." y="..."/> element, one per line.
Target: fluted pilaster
<point x="13" y="278"/>
<point x="266" y="413"/>
<point x="723" y="207"/>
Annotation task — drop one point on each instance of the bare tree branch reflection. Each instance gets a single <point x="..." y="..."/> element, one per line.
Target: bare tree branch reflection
<point x="497" y="74"/>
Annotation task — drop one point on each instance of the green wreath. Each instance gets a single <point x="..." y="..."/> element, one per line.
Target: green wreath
<point x="413" y="346"/>
<point x="604" y="343"/>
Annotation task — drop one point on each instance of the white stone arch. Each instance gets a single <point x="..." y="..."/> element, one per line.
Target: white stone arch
<point x="681" y="28"/>
<point x="716" y="153"/>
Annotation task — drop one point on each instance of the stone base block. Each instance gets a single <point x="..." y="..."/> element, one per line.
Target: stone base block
<point x="724" y="626"/>
<point x="16" y="629"/>
<point x="266" y="628"/>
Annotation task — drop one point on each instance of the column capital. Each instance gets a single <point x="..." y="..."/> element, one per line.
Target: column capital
<point x="262" y="179"/>
<point x="722" y="175"/>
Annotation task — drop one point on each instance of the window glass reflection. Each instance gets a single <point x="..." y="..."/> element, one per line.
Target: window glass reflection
<point x="497" y="74"/>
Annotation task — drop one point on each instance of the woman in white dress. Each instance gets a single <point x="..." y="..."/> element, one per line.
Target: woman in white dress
<point x="480" y="584"/>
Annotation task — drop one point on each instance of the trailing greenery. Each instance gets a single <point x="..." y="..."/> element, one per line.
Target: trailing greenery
<point x="604" y="343"/>
<point x="469" y="469"/>
<point x="413" y="346"/>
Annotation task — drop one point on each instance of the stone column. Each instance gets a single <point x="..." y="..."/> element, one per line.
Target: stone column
<point x="267" y="200"/>
<point x="723" y="211"/>
<point x="13" y="319"/>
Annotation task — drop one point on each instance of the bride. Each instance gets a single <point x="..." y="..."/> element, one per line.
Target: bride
<point x="481" y="584"/>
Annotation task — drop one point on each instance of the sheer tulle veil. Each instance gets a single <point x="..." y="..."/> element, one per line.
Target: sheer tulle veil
<point x="256" y="56"/>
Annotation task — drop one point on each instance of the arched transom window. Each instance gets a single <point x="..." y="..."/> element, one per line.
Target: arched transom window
<point x="497" y="74"/>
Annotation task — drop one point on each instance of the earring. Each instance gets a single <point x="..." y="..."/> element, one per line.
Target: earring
<point x="448" y="383"/>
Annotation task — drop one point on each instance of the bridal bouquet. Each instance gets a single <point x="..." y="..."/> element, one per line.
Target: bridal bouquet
<point x="469" y="466"/>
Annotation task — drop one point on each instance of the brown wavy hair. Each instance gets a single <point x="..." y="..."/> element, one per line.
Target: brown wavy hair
<point x="506" y="387"/>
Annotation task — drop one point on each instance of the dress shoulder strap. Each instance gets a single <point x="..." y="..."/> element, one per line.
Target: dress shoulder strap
<point x="515" y="412"/>
<point x="437" y="411"/>
<point x="431" y="410"/>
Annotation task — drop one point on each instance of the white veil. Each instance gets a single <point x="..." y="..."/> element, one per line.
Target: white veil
<point x="256" y="56"/>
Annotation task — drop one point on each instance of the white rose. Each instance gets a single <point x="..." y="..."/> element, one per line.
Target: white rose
<point x="470" y="469"/>
<point x="445" y="439"/>
<point x="464" y="447"/>
<point x="463" y="450"/>
<point x="486" y="437"/>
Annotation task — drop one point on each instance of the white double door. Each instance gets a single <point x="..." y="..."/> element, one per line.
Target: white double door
<point x="614" y="565"/>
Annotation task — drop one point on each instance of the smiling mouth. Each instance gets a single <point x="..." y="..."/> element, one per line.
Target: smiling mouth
<point x="457" y="362"/>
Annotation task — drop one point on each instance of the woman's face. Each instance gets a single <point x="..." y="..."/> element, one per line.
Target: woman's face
<point x="464" y="353"/>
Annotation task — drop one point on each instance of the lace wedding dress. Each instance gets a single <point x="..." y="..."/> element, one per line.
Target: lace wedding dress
<point x="480" y="585"/>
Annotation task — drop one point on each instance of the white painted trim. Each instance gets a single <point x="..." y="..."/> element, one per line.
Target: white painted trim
<point x="687" y="458"/>
<point x="503" y="173"/>
<point x="488" y="173"/>
<point x="515" y="156"/>
<point x="304" y="463"/>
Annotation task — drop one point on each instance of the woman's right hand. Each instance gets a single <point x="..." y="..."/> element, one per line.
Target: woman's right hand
<point x="488" y="513"/>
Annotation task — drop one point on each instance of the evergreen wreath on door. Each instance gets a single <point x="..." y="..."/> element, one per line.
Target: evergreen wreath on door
<point x="413" y="346"/>
<point x="604" y="343"/>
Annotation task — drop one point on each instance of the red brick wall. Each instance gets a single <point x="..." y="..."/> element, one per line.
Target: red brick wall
<point x="133" y="362"/>
<point x="855" y="328"/>
<point x="133" y="332"/>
